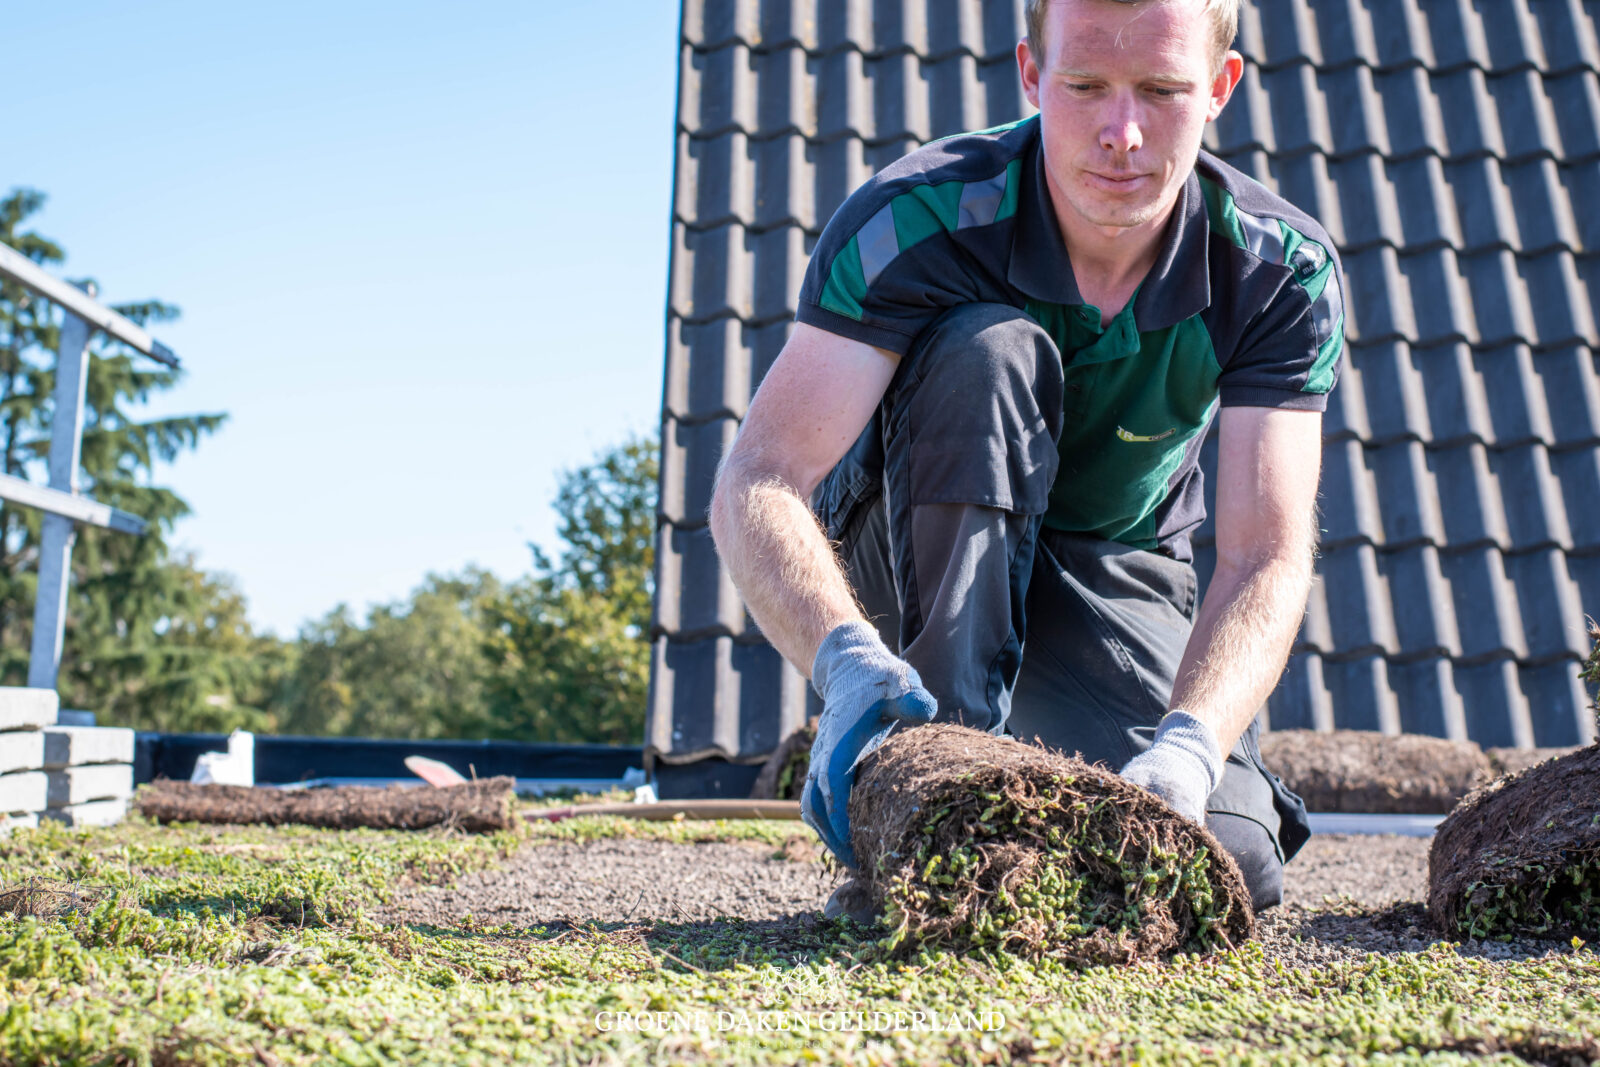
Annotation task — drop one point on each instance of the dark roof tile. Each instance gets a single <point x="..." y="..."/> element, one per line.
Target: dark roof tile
<point x="1369" y="209"/>
<point x="1301" y="700"/>
<point x="1496" y="309"/>
<point x="1544" y="214"/>
<point x="1532" y="497"/>
<point x="1515" y="395"/>
<point x="1445" y="312"/>
<point x="1393" y="392"/>
<point x="1378" y="305"/>
<point x="1552" y="612"/>
<point x="1568" y="35"/>
<point x="1426" y="206"/>
<point x="1526" y="120"/>
<point x="845" y="25"/>
<point x="1571" y="393"/>
<point x="1458" y="404"/>
<point x="1405" y="485"/>
<point x="1578" y="471"/>
<point x="1345" y="34"/>
<point x="1299" y="114"/>
<point x="1359" y="611"/>
<point x="709" y="605"/>
<point x="716" y="697"/>
<point x="690" y="453"/>
<point x="1413" y="123"/>
<point x="1401" y="35"/>
<point x="1424" y="613"/>
<point x="1563" y="313"/>
<point x="1517" y="44"/>
<point x="1558" y="704"/>
<point x="1480" y="202"/>
<point x="1288" y="34"/>
<point x="1495" y="707"/>
<point x="1348" y="495"/>
<point x="1457" y="34"/>
<point x="1359" y="689"/>
<point x="1575" y="101"/>
<point x="1471" y="120"/>
<point x="708" y="370"/>
<point x="1426" y="695"/>
<point x="1486" y="611"/>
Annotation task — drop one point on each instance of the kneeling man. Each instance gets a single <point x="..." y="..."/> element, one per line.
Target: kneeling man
<point x="966" y="488"/>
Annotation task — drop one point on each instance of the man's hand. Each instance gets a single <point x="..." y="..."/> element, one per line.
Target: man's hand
<point x="1183" y="766"/>
<point x="866" y="692"/>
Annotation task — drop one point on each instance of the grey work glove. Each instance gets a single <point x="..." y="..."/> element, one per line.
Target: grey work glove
<point x="866" y="692"/>
<point x="1182" y="766"/>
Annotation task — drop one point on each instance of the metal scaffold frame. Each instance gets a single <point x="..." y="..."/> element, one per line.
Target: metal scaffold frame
<point x="63" y="505"/>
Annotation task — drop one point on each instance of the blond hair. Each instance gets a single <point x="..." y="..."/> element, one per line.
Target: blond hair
<point x="1224" y="16"/>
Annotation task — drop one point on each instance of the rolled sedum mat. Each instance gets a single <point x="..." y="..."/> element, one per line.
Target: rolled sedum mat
<point x="1521" y="856"/>
<point x="476" y="807"/>
<point x="975" y="842"/>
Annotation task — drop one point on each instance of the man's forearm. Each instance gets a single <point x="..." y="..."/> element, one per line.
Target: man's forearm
<point x="781" y="561"/>
<point x="1241" y="641"/>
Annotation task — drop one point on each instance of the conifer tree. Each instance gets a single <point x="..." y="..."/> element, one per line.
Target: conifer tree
<point x="151" y="641"/>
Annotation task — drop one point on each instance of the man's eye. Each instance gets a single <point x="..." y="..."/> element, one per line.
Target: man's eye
<point x="1158" y="91"/>
<point x="1079" y="87"/>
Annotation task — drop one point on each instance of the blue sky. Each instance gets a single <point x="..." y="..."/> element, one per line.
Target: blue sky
<point x="420" y="250"/>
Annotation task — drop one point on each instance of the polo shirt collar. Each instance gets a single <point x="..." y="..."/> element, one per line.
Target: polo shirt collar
<point x="1178" y="285"/>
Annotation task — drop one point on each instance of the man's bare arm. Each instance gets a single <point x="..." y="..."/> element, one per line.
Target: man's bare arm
<point x="810" y="408"/>
<point x="1268" y="462"/>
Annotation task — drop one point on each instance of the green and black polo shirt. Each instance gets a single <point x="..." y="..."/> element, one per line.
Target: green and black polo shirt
<point x="1243" y="307"/>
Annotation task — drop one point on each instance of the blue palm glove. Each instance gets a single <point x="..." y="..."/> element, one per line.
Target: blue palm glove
<point x="1183" y="766"/>
<point x="866" y="692"/>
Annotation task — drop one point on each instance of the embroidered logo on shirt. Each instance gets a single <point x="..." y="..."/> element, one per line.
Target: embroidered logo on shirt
<point x="1124" y="435"/>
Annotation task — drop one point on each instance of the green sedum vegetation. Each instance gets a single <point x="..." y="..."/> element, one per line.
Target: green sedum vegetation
<point x="229" y="945"/>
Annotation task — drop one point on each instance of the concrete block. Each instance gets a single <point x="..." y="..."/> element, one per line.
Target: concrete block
<point x="23" y="792"/>
<point x="75" y="785"/>
<point x="22" y="708"/>
<point x="21" y="750"/>
<point x="9" y="823"/>
<point x="72" y="746"/>
<point x="91" y="813"/>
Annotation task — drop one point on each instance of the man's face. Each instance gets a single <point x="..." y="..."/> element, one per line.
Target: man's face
<point x="1124" y="93"/>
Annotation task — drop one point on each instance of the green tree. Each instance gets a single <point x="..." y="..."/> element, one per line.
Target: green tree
<point x="150" y="640"/>
<point x="569" y="645"/>
<point x="415" y="669"/>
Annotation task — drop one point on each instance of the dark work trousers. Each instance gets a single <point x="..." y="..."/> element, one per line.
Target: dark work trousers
<point x="1070" y="639"/>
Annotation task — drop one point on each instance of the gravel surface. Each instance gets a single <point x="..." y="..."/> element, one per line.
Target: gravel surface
<point x="1344" y="894"/>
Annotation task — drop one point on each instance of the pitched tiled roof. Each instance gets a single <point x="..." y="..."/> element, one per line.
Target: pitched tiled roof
<point x="1451" y="148"/>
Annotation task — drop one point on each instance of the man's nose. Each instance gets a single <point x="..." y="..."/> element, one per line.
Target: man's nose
<point x="1121" y="132"/>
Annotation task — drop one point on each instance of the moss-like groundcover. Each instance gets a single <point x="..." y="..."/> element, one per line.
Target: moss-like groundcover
<point x="147" y="944"/>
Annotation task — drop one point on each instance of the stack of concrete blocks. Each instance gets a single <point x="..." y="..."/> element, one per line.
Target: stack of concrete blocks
<point x="90" y="770"/>
<point x="24" y="785"/>
<point x="79" y="775"/>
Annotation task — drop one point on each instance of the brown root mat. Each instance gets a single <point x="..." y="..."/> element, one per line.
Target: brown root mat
<point x="477" y="807"/>
<point x="784" y="774"/>
<point x="1522" y="855"/>
<point x="1365" y="771"/>
<point x="974" y="841"/>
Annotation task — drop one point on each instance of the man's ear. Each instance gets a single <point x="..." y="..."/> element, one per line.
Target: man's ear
<point x="1028" y="70"/>
<point x="1226" y="82"/>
